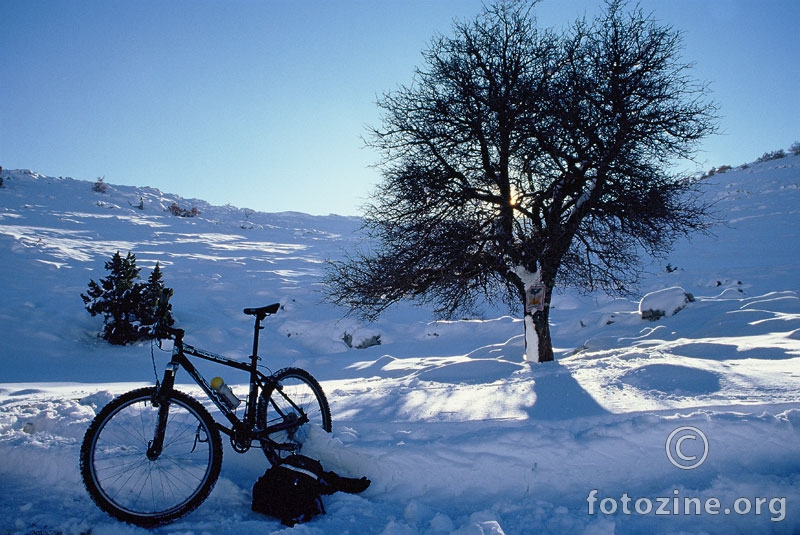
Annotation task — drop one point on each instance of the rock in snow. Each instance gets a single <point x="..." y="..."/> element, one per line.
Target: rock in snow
<point x="666" y="302"/>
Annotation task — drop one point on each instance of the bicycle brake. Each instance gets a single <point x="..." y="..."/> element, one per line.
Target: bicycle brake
<point x="197" y="438"/>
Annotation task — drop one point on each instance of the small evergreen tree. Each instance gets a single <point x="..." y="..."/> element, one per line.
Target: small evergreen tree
<point x="152" y="309"/>
<point x="128" y="306"/>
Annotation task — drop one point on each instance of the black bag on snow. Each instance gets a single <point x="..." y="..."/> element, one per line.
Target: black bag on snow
<point x="291" y="490"/>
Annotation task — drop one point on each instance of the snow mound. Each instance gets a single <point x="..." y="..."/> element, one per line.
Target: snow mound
<point x="666" y="302"/>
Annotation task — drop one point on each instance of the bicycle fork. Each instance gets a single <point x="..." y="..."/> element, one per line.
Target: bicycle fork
<point x="161" y="400"/>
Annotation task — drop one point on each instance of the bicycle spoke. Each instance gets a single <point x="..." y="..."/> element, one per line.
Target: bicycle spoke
<point x="290" y="410"/>
<point x="127" y="483"/>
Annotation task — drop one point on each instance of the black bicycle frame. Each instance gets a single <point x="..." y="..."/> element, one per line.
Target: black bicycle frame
<point x="240" y="430"/>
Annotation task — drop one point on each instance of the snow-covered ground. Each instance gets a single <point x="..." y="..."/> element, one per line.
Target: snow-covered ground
<point x="456" y="431"/>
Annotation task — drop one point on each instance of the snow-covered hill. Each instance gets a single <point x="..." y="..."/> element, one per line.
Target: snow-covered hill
<point x="457" y="432"/>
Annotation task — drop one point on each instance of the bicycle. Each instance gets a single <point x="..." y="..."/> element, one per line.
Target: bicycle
<point x="153" y="455"/>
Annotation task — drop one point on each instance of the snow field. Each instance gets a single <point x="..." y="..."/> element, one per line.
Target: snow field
<point x="456" y="431"/>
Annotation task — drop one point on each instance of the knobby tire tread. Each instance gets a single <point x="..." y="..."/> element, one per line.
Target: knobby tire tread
<point x="154" y="519"/>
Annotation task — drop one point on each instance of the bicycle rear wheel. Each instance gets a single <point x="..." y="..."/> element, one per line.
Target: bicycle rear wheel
<point x="294" y="395"/>
<point x="131" y="487"/>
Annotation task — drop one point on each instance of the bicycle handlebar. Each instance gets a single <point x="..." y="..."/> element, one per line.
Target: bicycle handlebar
<point x="171" y="333"/>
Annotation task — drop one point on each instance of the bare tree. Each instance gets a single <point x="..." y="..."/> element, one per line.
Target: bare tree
<point x="520" y="158"/>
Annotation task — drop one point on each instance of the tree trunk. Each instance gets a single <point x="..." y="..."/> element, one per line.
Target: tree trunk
<point x="542" y="326"/>
<point x="538" y="344"/>
<point x="531" y="352"/>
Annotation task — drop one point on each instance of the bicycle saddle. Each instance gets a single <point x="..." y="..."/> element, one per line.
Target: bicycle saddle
<point x="263" y="311"/>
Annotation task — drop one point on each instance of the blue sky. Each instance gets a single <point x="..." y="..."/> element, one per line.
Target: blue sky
<point x="263" y="104"/>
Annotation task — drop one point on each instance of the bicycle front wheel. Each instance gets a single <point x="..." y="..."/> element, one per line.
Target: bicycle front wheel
<point x="297" y="404"/>
<point x="125" y="483"/>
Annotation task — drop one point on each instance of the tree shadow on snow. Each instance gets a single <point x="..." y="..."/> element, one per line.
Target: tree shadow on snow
<point x="673" y="379"/>
<point x="559" y="396"/>
<point x="716" y="351"/>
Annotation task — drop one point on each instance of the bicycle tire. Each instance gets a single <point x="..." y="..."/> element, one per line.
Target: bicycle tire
<point x="273" y="408"/>
<point x="130" y="487"/>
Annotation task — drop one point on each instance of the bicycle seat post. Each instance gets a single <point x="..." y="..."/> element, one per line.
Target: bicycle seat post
<point x="260" y="313"/>
<point x="257" y="328"/>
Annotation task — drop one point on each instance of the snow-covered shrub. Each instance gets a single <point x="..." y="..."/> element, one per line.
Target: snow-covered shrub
<point x="128" y="306"/>
<point x="666" y="302"/>
<point x="100" y="186"/>
<point x="723" y="168"/>
<point x="369" y="342"/>
<point x="364" y="343"/>
<point x="773" y="155"/>
<point x="795" y="148"/>
<point x="174" y="209"/>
